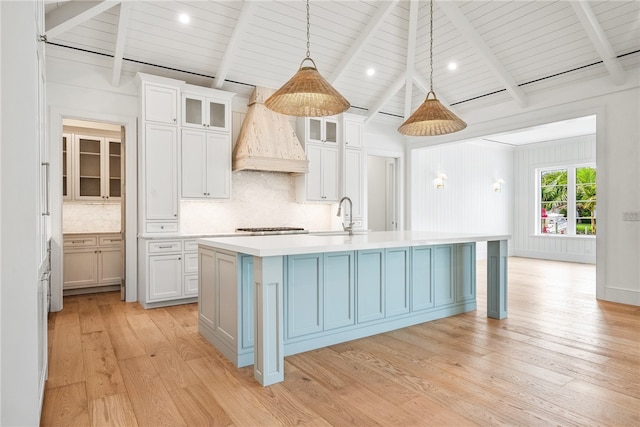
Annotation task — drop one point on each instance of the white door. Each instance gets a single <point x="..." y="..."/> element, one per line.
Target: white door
<point x="382" y="193"/>
<point x="194" y="163"/>
<point x="218" y="165"/>
<point x="161" y="172"/>
<point x="165" y="277"/>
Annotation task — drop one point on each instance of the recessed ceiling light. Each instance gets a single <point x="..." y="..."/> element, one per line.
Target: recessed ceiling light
<point x="184" y="18"/>
<point x="371" y="71"/>
<point x="452" y="66"/>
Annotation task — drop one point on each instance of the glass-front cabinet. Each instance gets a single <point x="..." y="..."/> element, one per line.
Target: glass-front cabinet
<point x="322" y="130"/>
<point x="199" y="111"/>
<point x="66" y="165"/>
<point x="97" y="168"/>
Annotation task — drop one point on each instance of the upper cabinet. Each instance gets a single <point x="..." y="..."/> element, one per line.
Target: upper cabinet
<point x="91" y="168"/>
<point x="208" y="109"/>
<point x="352" y="132"/>
<point x="321" y="130"/>
<point x="206" y="165"/>
<point x="160" y="104"/>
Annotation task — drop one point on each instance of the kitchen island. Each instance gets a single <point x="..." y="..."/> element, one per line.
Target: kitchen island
<point x="265" y="297"/>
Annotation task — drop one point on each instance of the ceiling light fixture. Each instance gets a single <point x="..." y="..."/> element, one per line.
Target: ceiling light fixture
<point x="431" y="118"/>
<point x="184" y="18"/>
<point x="371" y="71"/>
<point x="307" y="93"/>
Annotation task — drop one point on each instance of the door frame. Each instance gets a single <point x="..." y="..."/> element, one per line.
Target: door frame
<point x="56" y="116"/>
<point x="399" y="181"/>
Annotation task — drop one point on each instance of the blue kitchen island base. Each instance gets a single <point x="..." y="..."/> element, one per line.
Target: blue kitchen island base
<point x="259" y="309"/>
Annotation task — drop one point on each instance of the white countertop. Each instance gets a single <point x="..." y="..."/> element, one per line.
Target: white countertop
<point x="292" y="244"/>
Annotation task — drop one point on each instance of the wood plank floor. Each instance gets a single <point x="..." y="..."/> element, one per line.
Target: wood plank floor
<point x="561" y="358"/>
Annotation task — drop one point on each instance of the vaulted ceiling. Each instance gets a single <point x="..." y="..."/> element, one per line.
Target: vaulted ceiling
<point x="504" y="50"/>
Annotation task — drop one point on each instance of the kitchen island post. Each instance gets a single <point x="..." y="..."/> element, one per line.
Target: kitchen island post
<point x="266" y="297"/>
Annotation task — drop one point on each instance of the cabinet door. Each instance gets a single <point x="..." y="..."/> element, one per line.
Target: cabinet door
<point x="246" y="290"/>
<point x="113" y="168"/>
<point x="218" y="114"/>
<point x="444" y="275"/>
<point x="207" y="295"/>
<point x="88" y="168"/>
<point x="352" y="133"/>
<point x="466" y="282"/>
<point x="396" y="281"/>
<point x="67" y="141"/>
<point x="422" y="279"/>
<point x="110" y="266"/>
<point x="165" y="276"/>
<point x="190" y="285"/>
<point x="193" y="111"/>
<point x="330" y="130"/>
<point x="161" y="172"/>
<point x="339" y="290"/>
<point x="370" y="285"/>
<point x="194" y="163"/>
<point x="80" y="268"/>
<point x="353" y="180"/>
<point x="304" y="297"/>
<point x="330" y="174"/>
<point x="218" y="165"/>
<point x="161" y="104"/>
<point x="314" y="177"/>
<point x="322" y="130"/>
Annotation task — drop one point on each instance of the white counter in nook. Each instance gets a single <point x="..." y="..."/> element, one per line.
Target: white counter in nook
<point x="262" y="298"/>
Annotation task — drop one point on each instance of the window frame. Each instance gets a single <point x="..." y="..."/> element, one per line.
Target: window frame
<point x="571" y="199"/>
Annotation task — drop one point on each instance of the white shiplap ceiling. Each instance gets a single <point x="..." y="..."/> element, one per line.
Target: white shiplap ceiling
<point x="505" y="50"/>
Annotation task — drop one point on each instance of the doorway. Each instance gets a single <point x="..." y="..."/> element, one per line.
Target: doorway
<point x="382" y="193"/>
<point x="93" y="225"/>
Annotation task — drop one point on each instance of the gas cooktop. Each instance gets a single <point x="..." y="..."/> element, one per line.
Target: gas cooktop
<point x="262" y="231"/>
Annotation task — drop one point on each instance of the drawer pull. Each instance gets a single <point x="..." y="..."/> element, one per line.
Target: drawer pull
<point x="165" y="247"/>
<point x="77" y="241"/>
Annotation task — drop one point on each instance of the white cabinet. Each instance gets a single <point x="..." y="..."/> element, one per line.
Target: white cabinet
<point x="92" y="260"/>
<point x="160" y="103"/>
<point x="321" y="130"/>
<point x="352" y="133"/>
<point x="210" y="111"/>
<point x="168" y="272"/>
<point x="322" y="181"/>
<point x="160" y="178"/>
<point x="97" y="168"/>
<point x="354" y="182"/>
<point x="206" y="164"/>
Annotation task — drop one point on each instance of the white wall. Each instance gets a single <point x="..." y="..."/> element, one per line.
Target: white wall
<point x="618" y="163"/>
<point x="467" y="203"/>
<point x="526" y="160"/>
<point x="20" y="215"/>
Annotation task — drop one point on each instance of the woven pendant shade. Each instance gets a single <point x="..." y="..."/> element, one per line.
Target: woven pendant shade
<point x="430" y="119"/>
<point x="307" y="94"/>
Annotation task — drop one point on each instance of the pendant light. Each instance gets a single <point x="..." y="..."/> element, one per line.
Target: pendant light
<point x="431" y="118"/>
<point x="307" y="93"/>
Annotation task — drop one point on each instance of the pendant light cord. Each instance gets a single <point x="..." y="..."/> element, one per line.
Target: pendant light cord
<point x="308" y="32"/>
<point x="430" y="48"/>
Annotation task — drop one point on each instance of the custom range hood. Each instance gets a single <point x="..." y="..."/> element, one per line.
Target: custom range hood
<point x="267" y="141"/>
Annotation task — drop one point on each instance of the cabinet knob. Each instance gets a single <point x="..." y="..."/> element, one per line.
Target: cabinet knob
<point x="162" y="227"/>
<point x="174" y="120"/>
<point x="204" y="125"/>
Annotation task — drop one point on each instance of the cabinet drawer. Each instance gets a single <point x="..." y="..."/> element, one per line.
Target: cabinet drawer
<point x="80" y="241"/>
<point x="191" y="263"/>
<point x="166" y="246"/>
<point x="162" y="227"/>
<point x="190" y="246"/>
<point x="110" y="240"/>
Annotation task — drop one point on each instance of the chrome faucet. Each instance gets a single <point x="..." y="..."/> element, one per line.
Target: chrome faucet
<point x="349" y="227"/>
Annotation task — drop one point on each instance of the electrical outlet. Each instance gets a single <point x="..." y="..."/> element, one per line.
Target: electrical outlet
<point x="631" y="216"/>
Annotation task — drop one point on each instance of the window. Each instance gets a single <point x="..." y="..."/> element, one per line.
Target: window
<point x="567" y="200"/>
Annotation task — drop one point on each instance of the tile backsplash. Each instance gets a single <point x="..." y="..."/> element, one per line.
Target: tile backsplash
<point x="259" y="199"/>
<point x="91" y="217"/>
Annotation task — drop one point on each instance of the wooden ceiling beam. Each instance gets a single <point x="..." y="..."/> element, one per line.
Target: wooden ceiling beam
<point x="474" y="38"/>
<point x="74" y="13"/>
<point x="389" y="93"/>
<point x="384" y="9"/>
<point x="241" y="25"/>
<point x="600" y="41"/>
<point x="411" y="57"/>
<point x="118" y="55"/>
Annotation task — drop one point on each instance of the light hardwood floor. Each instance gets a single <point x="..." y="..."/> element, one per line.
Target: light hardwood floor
<point x="561" y="358"/>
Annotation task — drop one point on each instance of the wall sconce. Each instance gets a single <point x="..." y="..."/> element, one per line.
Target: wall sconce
<point x="439" y="181"/>
<point x="497" y="186"/>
